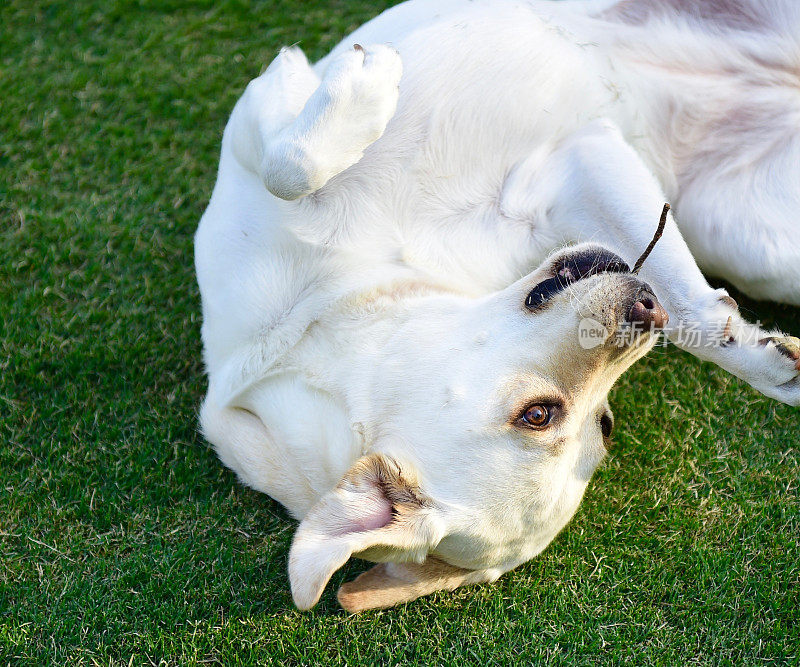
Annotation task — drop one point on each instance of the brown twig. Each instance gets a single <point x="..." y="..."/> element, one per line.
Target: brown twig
<point x="661" y="224"/>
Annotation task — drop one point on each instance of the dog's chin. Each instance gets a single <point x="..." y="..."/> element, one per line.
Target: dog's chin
<point x="640" y="344"/>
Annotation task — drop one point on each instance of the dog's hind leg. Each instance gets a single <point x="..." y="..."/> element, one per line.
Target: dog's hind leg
<point x="297" y="132"/>
<point x="739" y="212"/>
<point x="595" y="187"/>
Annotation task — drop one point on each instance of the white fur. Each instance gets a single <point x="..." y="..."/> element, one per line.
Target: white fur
<point x="367" y="249"/>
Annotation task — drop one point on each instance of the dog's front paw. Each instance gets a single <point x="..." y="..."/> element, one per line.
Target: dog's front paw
<point x="768" y="361"/>
<point x="783" y="356"/>
<point x="788" y="346"/>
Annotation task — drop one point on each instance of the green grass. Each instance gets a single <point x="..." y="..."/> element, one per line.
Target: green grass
<point x="121" y="536"/>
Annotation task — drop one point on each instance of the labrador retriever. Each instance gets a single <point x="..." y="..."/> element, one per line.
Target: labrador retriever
<point x="415" y="264"/>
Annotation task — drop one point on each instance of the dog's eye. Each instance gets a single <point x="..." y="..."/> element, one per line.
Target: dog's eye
<point x="538" y="416"/>
<point x="606" y="425"/>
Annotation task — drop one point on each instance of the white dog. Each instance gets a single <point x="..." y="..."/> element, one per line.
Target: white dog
<point x="383" y="356"/>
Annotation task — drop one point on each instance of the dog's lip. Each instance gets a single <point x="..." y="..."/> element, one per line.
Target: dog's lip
<point x="571" y="269"/>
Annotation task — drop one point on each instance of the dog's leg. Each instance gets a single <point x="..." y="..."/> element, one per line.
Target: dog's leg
<point x="741" y="223"/>
<point x="297" y="132"/>
<point x="596" y="188"/>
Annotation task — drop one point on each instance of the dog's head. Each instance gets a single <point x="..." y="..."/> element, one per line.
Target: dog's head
<point x="491" y="417"/>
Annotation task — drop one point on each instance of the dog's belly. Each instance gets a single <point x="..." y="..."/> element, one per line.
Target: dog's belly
<point x="484" y="87"/>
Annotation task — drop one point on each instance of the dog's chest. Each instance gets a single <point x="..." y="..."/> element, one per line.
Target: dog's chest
<point x="476" y="99"/>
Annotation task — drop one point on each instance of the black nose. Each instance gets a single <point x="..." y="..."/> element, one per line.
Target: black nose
<point x="647" y="312"/>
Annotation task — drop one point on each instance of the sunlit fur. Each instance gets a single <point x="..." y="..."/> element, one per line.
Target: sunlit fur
<point x="366" y="253"/>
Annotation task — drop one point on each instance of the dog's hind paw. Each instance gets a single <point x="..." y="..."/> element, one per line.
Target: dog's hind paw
<point x="359" y="94"/>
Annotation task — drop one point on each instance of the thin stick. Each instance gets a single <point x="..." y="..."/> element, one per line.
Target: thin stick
<point x="661" y="224"/>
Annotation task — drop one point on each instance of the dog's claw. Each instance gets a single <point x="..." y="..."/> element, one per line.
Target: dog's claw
<point x="788" y="346"/>
<point x="729" y="301"/>
<point x="728" y="336"/>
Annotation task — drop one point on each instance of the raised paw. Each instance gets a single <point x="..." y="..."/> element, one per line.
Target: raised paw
<point x="771" y="365"/>
<point x="343" y="117"/>
<point x="347" y="111"/>
<point x="361" y="86"/>
<point x="267" y="105"/>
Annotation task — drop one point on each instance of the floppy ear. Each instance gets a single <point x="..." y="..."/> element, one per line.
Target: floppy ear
<point x="376" y="511"/>
<point x="388" y="584"/>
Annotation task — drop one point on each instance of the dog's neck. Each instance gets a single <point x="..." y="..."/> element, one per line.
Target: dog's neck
<point x="349" y="352"/>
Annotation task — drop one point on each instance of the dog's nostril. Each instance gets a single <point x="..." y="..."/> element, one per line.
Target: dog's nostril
<point x="648" y="313"/>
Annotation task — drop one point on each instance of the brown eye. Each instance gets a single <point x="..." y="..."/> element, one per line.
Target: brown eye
<point x="537" y="416"/>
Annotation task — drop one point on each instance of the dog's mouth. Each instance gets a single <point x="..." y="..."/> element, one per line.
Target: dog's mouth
<point x="569" y="270"/>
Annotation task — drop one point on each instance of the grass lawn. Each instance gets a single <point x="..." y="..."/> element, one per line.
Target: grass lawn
<point x="121" y="536"/>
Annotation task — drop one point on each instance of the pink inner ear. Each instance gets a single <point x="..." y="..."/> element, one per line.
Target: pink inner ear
<point x="377" y="514"/>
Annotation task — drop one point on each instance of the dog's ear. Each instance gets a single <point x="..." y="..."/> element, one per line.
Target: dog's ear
<point x="376" y="510"/>
<point x="388" y="584"/>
